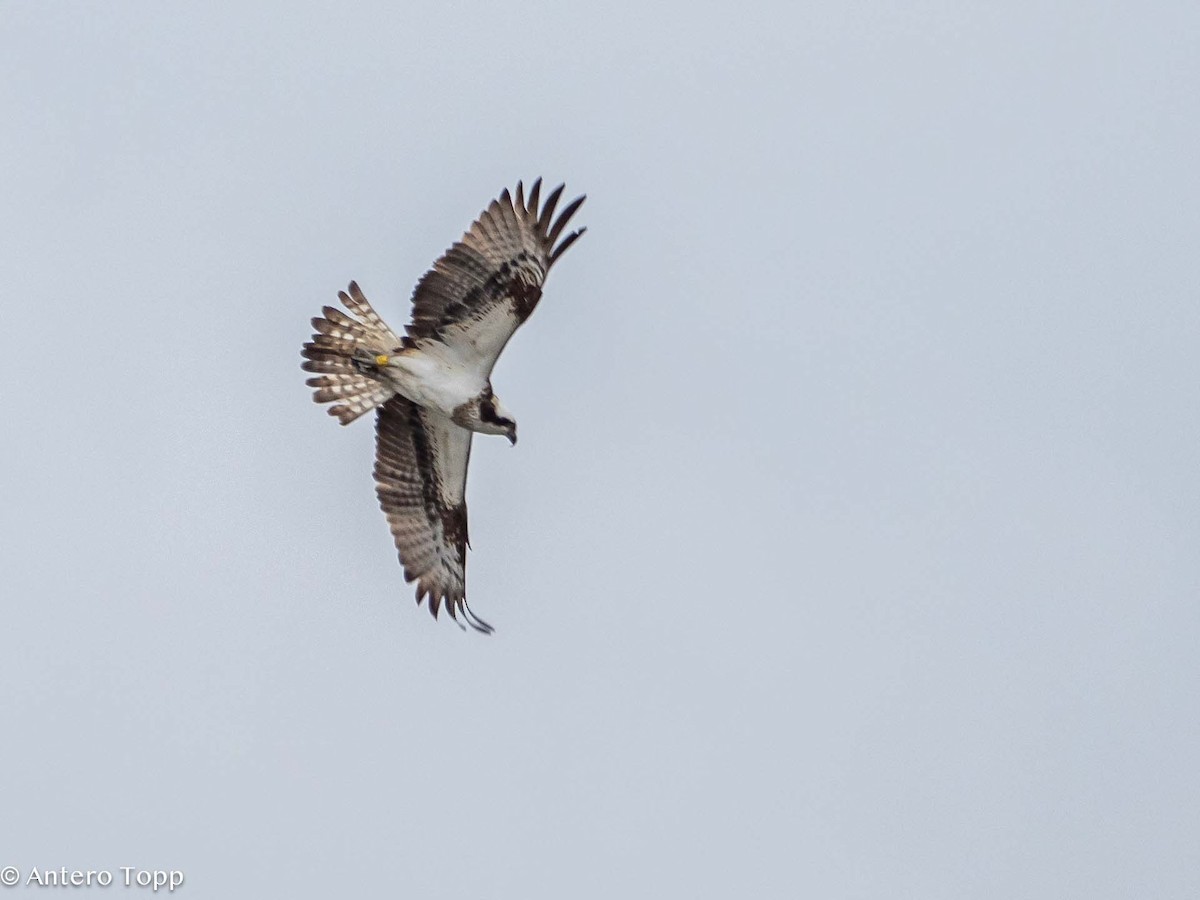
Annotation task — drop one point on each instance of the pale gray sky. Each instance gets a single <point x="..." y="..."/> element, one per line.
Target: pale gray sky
<point x="850" y="547"/>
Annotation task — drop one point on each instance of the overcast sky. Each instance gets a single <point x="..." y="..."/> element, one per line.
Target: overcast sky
<point x="850" y="547"/>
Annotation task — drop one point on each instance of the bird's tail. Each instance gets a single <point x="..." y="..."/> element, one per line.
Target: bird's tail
<point x="344" y="354"/>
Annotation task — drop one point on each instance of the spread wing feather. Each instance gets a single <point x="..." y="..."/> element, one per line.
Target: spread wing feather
<point x="421" y="477"/>
<point x="482" y="288"/>
<point x="334" y="351"/>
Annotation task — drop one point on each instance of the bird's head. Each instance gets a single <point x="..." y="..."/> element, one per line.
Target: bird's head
<point x="495" y="419"/>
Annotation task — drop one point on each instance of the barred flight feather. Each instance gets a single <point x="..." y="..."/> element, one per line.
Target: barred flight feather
<point x="420" y="477"/>
<point x="333" y="350"/>
<point x="489" y="282"/>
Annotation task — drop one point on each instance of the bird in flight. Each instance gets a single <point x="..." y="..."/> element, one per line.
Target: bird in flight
<point x="431" y="388"/>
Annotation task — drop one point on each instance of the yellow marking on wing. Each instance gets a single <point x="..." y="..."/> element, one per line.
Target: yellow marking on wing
<point x="382" y="359"/>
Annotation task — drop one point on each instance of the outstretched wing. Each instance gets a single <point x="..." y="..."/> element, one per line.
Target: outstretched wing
<point x="487" y="284"/>
<point x="421" y="478"/>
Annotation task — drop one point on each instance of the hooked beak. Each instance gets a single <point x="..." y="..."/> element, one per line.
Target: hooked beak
<point x="512" y="438"/>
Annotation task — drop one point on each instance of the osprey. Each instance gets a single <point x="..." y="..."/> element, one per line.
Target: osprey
<point x="431" y="388"/>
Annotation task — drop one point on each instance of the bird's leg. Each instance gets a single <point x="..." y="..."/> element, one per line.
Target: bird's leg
<point x="369" y="363"/>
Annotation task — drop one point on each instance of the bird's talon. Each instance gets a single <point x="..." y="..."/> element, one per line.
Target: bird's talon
<point x="382" y="359"/>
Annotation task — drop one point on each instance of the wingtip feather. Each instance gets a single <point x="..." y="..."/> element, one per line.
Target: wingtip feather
<point x="566" y="242"/>
<point x="565" y="216"/>
<point x="543" y="222"/>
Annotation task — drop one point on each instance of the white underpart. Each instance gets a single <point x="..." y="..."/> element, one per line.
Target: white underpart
<point x="434" y="379"/>
<point x="475" y="342"/>
<point x="445" y="373"/>
<point x="451" y="446"/>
